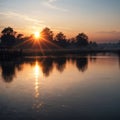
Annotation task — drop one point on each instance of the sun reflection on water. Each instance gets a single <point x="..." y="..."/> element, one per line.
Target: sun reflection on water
<point x="38" y="75"/>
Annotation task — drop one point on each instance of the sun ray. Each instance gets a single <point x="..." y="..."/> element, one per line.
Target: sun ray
<point x="51" y="43"/>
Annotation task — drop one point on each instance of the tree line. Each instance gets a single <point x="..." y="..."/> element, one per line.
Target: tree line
<point x="10" y="38"/>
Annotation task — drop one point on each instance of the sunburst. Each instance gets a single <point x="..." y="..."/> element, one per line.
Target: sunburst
<point x="37" y="34"/>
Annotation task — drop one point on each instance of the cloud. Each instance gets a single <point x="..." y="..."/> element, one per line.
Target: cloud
<point x="50" y="4"/>
<point x="51" y="0"/>
<point x="29" y="24"/>
<point x="22" y="16"/>
<point x="109" y="32"/>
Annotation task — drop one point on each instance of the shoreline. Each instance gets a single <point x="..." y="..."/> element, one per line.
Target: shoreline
<point x="38" y="52"/>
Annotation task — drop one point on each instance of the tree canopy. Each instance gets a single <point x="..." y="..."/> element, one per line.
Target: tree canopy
<point x="47" y="34"/>
<point x="82" y="39"/>
<point x="8" y="37"/>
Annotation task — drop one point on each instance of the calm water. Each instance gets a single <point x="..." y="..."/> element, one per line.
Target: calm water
<point x="60" y="88"/>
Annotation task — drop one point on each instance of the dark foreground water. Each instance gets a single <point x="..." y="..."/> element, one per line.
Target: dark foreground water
<point x="60" y="88"/>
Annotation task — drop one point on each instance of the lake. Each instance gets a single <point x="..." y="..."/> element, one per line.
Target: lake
<point x="69" y="87"/>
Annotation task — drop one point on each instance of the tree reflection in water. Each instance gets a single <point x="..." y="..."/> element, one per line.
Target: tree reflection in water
<point x="8" y="68"/>
<point x="60" y="63"/>
<point x="82" y="64"/>
<point x="47" y="66"/>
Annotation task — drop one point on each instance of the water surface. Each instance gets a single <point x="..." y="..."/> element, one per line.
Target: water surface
<point x="60" y="88"/>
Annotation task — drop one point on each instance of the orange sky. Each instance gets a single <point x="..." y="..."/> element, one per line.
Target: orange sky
<point x="99" y="19"/>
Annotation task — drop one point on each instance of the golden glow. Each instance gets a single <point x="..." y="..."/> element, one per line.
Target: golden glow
<point x="37" y="74"/>
<point x="37" y="34"/>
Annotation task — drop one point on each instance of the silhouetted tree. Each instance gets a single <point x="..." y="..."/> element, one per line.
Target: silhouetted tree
<point x="8" y="37"/>
<point x="19" y="36"/>
<point x="47" y="39"/>
<point x="47" y="34"/>
<point x="93" y="44"/>
<point x="7" y="30"/>
<point x="60" y="38"/>
<point x="81" y="39"/>
<point x="72" y="43"/>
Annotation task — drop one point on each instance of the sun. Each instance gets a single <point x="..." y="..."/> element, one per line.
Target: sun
<point x="37" y="34"/>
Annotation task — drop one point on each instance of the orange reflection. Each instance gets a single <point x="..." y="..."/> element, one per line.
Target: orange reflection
<point x="37" y="74"/>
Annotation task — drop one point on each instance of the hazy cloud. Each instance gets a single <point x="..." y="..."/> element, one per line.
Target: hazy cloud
<point x="24" y="17"/>
<point x="109" y="32"/>
<point x="51" y="4"/>
<point x="30" y="25"/>
<point x="51" y="0"/>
